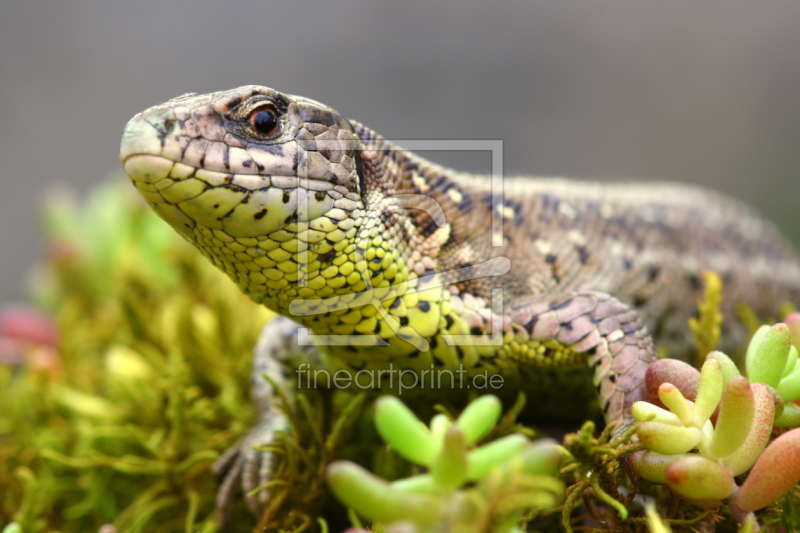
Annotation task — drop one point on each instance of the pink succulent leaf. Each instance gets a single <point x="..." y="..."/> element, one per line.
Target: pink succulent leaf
<point x="773" y="475"/>
<point x="699" y="478"/>
<point x="746" y="455"/>
<point x="793" y="321"/>
<point x="24" y="323"/>
<point x="767" y="363"/>
<point x="667" y="439"/>
<point x="682" y="375"/>
<point x="652" y="466"/>
<point x="709" y="392"/>
<point x="735" y="419"/>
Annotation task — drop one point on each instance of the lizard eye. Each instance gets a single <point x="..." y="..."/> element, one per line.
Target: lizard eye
<point x="264" y="121"/>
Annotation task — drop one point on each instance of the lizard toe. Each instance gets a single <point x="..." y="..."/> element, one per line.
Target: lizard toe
<point x="248" y="466"/>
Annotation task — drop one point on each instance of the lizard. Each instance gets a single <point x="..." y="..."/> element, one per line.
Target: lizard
<point x="375" y="258"/>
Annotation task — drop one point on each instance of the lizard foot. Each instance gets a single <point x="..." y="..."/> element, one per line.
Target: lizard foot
<point x="244" y="465"/>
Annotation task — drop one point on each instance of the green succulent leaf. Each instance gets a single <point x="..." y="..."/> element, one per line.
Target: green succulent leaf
<point x="542" y="457"/>
<point x="652" y="466"/>
<point x="791" y="361"/>
<point x="790" y="418"/>
<point x="403" y="431"/>
<point x="708" y="393"/>
<point x="789" y="387"/>
<point x="675" y="402"/>
<point x="698" y="478"/>
<point x="479" y="417"/>
<point x="645" y="411"/>
<point x="746" y="455"/>
<point x="376" y="499"/>
<point x="734" y="420"/>
<point x="728" y="367"/>
<point x="667" y="439"/>
<point x="483" y="459"/>
<point x="449" y="469"/>
<point x="766" y="364"/>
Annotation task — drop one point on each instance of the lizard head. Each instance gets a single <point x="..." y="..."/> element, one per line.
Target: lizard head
<point x="246" y="162"/>
<point x="265" y="184"/>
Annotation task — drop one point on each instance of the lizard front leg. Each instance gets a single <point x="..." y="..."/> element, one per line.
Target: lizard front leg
<point x="598" y="328"/>
<point x="277" y="356"/>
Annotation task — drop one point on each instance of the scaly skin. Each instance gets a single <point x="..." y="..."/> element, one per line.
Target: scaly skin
<point x="385" y="257"/>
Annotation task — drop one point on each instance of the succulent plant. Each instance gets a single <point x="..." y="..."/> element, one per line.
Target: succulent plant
<point x="465" y="487"/>
<point x="704" y="428"/>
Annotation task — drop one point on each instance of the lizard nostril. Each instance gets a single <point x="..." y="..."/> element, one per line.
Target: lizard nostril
<point x="169" y="126"/>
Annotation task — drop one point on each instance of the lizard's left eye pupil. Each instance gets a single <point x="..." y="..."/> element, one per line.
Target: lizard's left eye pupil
<point x="264" y="121"/>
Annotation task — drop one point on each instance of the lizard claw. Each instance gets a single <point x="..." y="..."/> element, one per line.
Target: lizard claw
<point x="245" y="466"/>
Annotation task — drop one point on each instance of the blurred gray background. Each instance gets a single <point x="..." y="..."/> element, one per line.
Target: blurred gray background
<point x="696" y="91"/>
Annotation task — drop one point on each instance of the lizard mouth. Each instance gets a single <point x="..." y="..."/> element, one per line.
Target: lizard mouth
<point x="239" y="205"/>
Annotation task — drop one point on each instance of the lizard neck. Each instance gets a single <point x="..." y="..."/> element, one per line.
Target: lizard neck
<point x="345" y="272"/>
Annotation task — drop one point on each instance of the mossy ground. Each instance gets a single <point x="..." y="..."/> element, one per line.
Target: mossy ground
<point x="148" y="385"/>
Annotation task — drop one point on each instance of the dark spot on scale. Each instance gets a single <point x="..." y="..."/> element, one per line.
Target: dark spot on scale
<point x="291" y="218"/>
<point x="694" y="281"/>
<point x="448" y="321"/>
<point x="403" y="320"/>
<point x="451" y="239"/>
<point x="260" y="214"/>
<point x="216" y="206"/>
<point x="583" y="254"/>
<point x="550" y="259"/>
<point x="319" y="196"/>
<point x="434" y="343"/>
<point x="327" y="257"/>
<point x="532" y="322"/>
<point x="286" y="196"/>
<point x="465" y="205"/>
<point x="377" y="327"/>
<point x="395" y="303"/>
<point x="476" y="330"/>
<point x="247" y="163"/>
<point x="639" y="301"/>
<point x="652" y="272"/>
<point x="627" y="264"/>
<point x="427" y="275"/>
<point x="424" y="306"/>
<point x="559" y="305"/>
